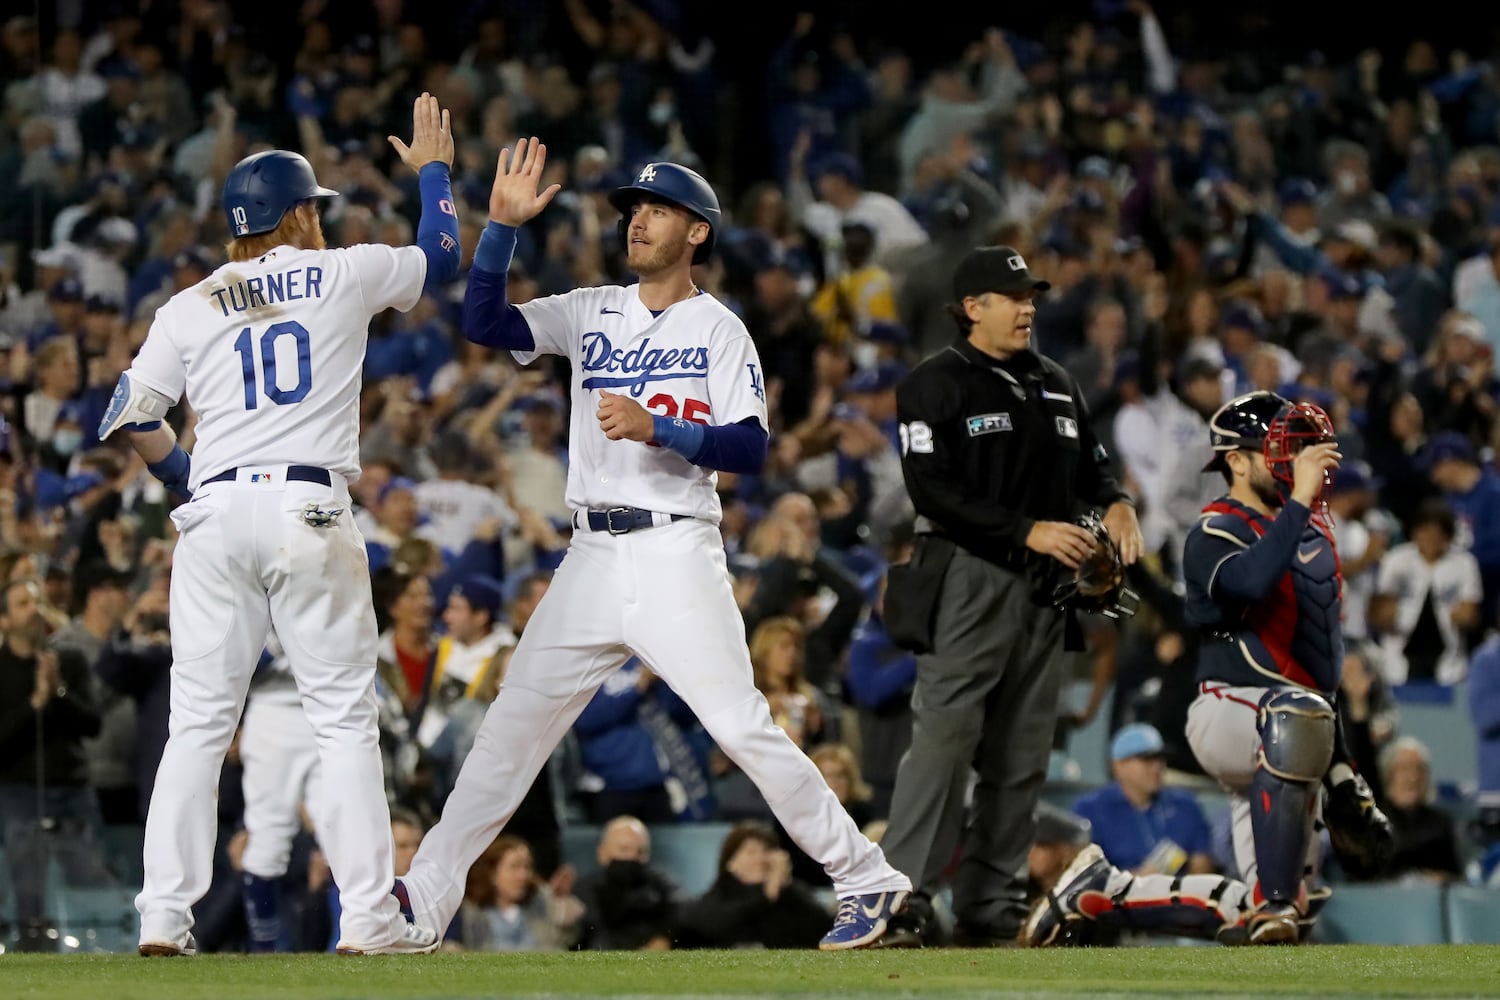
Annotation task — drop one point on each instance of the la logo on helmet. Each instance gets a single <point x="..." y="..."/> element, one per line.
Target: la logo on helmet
<point x="649" y="174"/>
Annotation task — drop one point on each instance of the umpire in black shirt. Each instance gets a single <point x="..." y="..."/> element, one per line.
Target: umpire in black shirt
<point x="999" y="461"/>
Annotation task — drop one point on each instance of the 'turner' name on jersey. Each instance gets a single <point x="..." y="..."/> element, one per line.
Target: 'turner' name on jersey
<point x="264" y="290"/>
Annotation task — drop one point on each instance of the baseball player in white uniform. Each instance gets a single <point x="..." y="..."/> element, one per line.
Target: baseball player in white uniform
<point x="279" y="760"/>
<point x="269" y="350"/>
<point x="667" y="388"/>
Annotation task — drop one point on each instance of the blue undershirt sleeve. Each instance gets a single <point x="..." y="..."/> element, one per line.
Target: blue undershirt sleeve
<point x="737" y="447"/>
<point x="437" y="229"/>
<point x="489" y="319"/>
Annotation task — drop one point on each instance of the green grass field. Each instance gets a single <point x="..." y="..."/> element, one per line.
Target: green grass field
<point x="1339" y="970"/>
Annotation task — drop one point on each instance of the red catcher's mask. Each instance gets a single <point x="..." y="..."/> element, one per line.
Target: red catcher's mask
<point x="1294" y="428"/>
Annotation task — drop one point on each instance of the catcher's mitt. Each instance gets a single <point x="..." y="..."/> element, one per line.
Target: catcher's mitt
<point x="1360" y="833"/>
<point x="1098" y="584"/>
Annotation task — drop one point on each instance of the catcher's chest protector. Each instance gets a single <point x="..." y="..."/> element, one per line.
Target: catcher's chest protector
<point x="1297" y="630"/>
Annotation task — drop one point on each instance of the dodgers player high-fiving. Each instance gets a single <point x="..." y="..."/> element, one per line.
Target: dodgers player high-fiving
<point x="667" y="388"/>
<point x="269" y="350"/>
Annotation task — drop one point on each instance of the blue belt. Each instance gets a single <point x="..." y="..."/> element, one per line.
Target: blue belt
<point x="623" y="520"/>
<point x="294" y="473"/>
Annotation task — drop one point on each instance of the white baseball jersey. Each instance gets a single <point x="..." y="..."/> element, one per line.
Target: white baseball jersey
<point x="1452" y="580"/>
<point x="695" y="361"/>
<point x="270" y="353"/>
<point x="455" y="509"/>
<point x="1164" y="445"/>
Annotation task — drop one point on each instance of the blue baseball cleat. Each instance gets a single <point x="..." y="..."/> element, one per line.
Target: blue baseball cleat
<point x="862" y="920"/>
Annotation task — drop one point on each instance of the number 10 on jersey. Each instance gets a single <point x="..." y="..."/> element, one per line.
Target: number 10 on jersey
<point x="244" y="345"/>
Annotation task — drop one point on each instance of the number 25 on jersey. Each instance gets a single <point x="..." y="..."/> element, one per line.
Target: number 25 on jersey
<point x="245" y="346"/>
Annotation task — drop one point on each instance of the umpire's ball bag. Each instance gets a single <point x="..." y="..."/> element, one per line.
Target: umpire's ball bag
<point x="912" y="592"/>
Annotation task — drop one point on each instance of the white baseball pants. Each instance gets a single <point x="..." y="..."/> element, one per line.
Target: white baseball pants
<point x="279" y="755"/>
<point x="664" y="594"/>
<point x="1223" y="732"/>
<point x="245" y="561"/>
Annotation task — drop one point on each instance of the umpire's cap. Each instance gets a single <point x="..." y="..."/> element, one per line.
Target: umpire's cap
<point x="994" y="269"/>
<point x="677" y="185"/>
<point x="264" y="186"/>
<point x="1243" y="422"/>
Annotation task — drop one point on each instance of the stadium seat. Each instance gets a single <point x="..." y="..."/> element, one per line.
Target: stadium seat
<point x="101" y="919"/>
<point x="688" y="853"/>
<point x="1423" y="693"/>
<point x="580" y="843"/>
<point x="123" y="846"/>
<point x="1087" y="747"/>
<point x="1473" y="915"/>
<point x="1384" y="914"/>
<point x="1440" y="719"/>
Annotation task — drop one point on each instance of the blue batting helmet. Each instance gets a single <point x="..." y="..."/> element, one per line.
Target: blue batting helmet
<point x="1243" y="422"/>
<point x="677" y="185"/>
<point x="264" y="186"/>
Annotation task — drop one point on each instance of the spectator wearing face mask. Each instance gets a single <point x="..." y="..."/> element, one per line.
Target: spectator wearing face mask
<point x="55" y="375"/>
<point x="629" y="904"/>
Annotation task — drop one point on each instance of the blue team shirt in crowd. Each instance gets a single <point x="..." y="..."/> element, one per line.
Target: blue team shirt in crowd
<point x="1128" y="835"/>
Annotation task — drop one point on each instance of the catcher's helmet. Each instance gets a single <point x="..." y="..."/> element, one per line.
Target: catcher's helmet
<point x="1243" y="422"/>
<point x="1295" y="427"/>
<point x="677" y="185"/>
<point x="263" y="187"/>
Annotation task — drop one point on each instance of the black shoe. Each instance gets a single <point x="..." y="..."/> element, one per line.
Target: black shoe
<point x="1308" y="922"/>
<point x="38" y="934"/>
<point x="967" y="935"/>
<point x="1274" y="923"/>
<point x="913" y="927"/>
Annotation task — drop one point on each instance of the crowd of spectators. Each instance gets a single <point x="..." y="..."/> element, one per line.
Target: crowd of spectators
<point x="1210" y="224"/>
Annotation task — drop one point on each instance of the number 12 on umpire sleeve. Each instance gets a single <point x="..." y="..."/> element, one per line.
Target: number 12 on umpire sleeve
<point x="268" y="380"/>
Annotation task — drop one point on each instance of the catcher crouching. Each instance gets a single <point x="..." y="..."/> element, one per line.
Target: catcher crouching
<point x="1263" y="586"/>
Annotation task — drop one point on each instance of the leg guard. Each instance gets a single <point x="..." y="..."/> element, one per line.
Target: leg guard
<point x="1296" y="732"/>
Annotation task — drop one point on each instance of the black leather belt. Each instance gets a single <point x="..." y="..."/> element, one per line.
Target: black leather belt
<point x="623" y="520"/>
<point x="294" y="473"/>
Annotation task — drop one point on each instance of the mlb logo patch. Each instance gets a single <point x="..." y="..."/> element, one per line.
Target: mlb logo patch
<point x="1067" y="427"/>
<point x="1016" y="262"/>
<point x="989" y="423"/>
<point x="260" y="477"/>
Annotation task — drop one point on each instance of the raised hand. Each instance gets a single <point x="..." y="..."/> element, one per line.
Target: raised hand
<point x="431" y="138"/>
<point x="1311" y="469"/>
<point x="514" y="199"/>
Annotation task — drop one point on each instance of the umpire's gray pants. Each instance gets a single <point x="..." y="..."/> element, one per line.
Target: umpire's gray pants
<point x="986" y="696"/>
